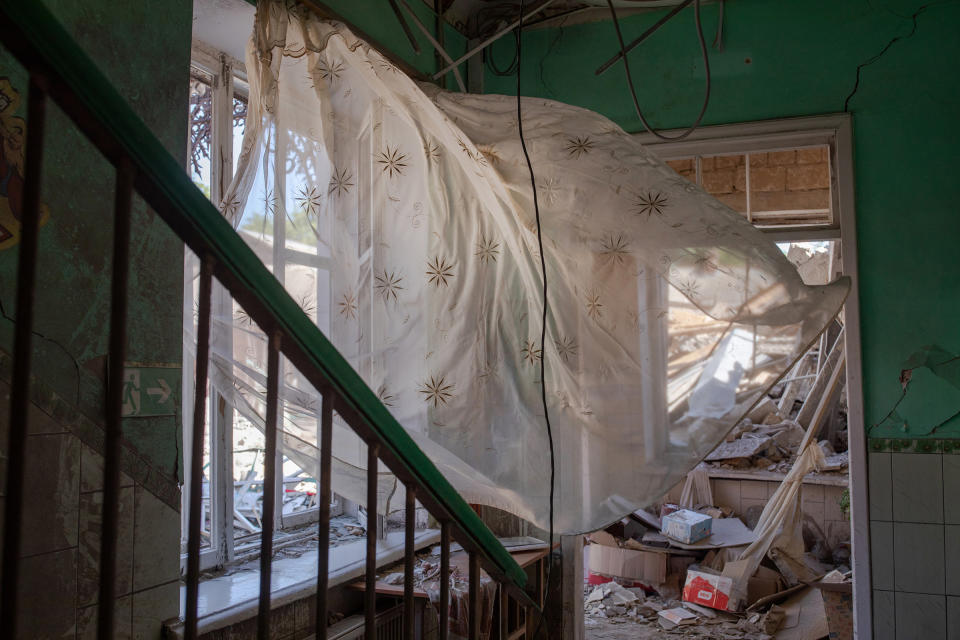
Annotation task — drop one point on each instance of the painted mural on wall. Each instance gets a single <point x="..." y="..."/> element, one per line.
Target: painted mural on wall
<point x="13" y="132"/>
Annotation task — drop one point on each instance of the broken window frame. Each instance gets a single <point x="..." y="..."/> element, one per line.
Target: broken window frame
<point x="771" y="136"/>
<point x="835" y="131"/>
<point x="227" y="78"/>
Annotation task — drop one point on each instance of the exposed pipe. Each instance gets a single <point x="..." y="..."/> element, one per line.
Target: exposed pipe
<point x="483" y="45"/>
<point x="643" y="36"/>
<point x="436" y="45"/>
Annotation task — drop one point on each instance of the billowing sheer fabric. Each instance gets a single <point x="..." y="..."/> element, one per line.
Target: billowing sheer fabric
<point x="402" y="217"/>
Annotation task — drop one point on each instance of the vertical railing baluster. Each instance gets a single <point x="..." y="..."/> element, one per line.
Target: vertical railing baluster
<point x="269" y="484"/>
<point x="504" y="612"/>
<point x="410" y="518"/>
<point x="370" y="593"/>
<point x="474" y="596"/>
<point x="22" y="353"/>
<point x="323" y="526"/>
<point x="114" y="428"/>
<point x="444" y="580"/>
<point x="195" y="506"/>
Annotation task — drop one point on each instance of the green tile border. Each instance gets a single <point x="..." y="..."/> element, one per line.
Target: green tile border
<point x="914" y="445"/>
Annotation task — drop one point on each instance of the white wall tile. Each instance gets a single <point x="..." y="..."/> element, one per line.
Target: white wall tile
<point x="918" y="557"/>
<point x="881" y="555"/>
<point x="156" y="541"/>
<point x="87" y="620"/>
<point x="812" y="493"/>
<point x="753" y="489"/>
<point x="47" y="595"/>
<point x="831" y="504"/>
<point x="951" y="533"/>
<point x="884" y="620"/>
<point x="51" y="513"/>
<point x="920" y="616"/>
<point x="152" y="607"/>
<point x="91" y="471"/>
<point x="953" y="618"/>
<point x="917" y="482"/>
<point x="91" y="524"/>
<point x="881" y="489"/>
<point x="726" y="493"/>
<point x="951" y="489"/>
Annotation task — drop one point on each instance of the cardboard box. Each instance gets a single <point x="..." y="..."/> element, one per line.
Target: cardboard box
<point x="765" y="582"/>
<point x="686" y="526"/>
<point x="709" y="590"/>
<point x="648" y="567"/>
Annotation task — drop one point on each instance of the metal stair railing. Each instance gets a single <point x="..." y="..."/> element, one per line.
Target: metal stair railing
<point x="61" y="71"/>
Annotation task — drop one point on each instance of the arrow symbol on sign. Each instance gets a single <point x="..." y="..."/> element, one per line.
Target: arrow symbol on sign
<point x="163" y="391"/>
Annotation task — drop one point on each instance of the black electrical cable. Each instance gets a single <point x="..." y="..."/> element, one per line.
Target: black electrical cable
<point x="492" y="65"/>
<point x="543" y="319"/>
<point x="633" y="91"/>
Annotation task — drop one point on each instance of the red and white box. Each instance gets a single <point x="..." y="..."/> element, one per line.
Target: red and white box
<point x="709" y="590"/>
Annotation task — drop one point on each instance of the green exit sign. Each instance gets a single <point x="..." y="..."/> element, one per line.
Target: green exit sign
<point x="151" y="390"/>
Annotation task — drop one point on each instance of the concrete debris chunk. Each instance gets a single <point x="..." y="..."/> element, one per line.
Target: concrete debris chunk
<point x="678" y="616"/>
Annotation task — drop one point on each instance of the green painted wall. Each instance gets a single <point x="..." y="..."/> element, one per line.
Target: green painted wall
<point x="146" y="56"/>
<point x="792" y="58"/>
<point x="377" y="21"/>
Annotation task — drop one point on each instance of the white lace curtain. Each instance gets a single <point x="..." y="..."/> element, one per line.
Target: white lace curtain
<point x="402" y="218"/>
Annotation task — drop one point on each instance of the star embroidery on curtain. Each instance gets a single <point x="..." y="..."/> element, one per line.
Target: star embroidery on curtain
<point x="650" y="203"/>
<point x="229" y="208"/>
<point x="348" y="305"/>
<point x="271" y="203"/>
<point x="392" y="161"/>
<point x="439" y="271"/>
<point x="436" y="390"/>
<point x="383" y="393"/>
<point x="388" y="284"/>
<point x="306" y="303"/>
<point x="386" y="66"/>
<point x="486" y="372"/>
<point x="551" y="189"/>
<point x="594" y="306"/>
<point x="487" y="154"/>
<point x="530" y="352"/>
<point x="432" y="151"/>
<point x="579" y="146"/>
<point x="615" y="249"/>
<point x="309" y="199"/>
<point x="487" y="249"/>
<point x="689" y="288"/>
<point x="340" y="182"/>
<point x="704" y="263"/>
<point x="329" y="71"/>
<point x="567" y="348"/>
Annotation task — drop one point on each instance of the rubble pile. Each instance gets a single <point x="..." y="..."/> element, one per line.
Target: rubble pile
<point x="688" y="573"/>
<point x="769" y="447"/>
<point x="655" y="616"/>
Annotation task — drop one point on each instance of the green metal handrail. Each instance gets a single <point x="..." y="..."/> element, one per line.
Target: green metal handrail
<point x="45" y="48"/>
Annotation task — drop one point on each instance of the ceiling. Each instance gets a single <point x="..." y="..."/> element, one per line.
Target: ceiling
<point x="481" y="18"/>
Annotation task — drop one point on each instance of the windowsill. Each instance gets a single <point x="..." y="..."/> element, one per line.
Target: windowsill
<point x="229" y="599"/>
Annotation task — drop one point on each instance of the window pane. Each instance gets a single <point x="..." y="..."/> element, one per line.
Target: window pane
<point x="813" y="259"/>
<point x="239" y="126"/>
<point x="201" y="119"/>
<point x="249" y="448"/>
<point x="790" y="187"/>
<point x="724" y="177"/>
<point x="686" y="167"/>
<point x="299" y="488"/>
